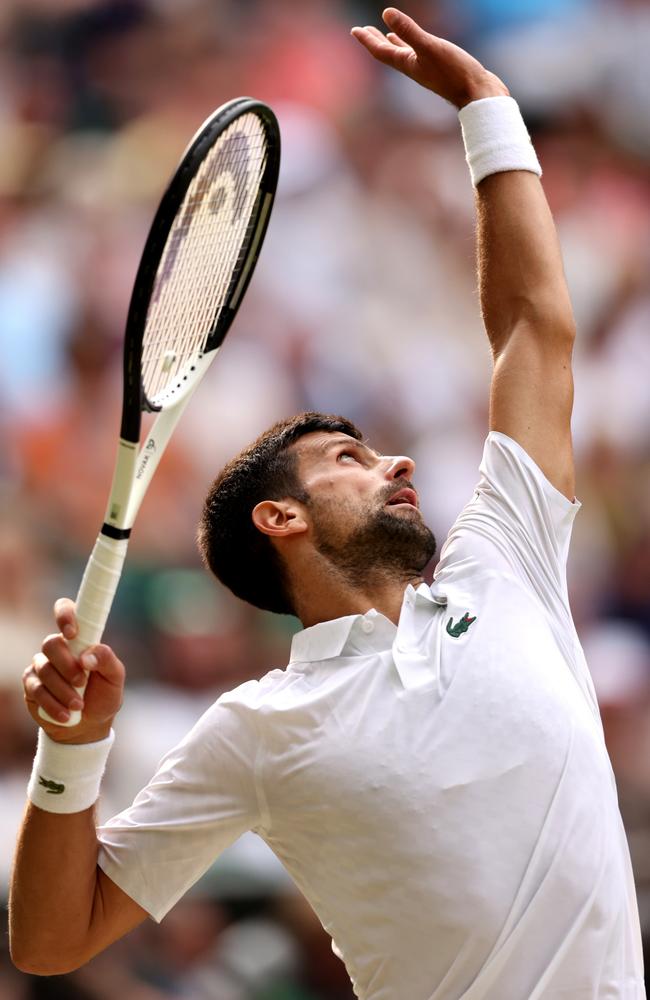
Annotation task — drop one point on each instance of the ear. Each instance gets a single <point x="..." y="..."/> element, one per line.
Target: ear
<point x="280" y="518"/>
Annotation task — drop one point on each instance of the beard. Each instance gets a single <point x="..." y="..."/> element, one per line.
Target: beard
<point x="387" y="545"/>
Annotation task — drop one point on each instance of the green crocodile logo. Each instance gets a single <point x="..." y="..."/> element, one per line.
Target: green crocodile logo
<point x="53" y="787"/>
<point x="461" y="625"/>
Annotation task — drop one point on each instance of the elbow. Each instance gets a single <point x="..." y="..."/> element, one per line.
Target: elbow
<point x="560" y="330"/>
<point x="550" y="318"/>
<point x="38" y="963"/>
<point x="34" y="967"/>
<point x="548" y="328"/>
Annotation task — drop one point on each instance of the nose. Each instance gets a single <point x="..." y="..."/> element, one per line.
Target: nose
<point x="399" y="467"/>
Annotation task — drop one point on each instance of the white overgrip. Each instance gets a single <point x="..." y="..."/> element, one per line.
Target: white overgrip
<point x="94" y="601"/>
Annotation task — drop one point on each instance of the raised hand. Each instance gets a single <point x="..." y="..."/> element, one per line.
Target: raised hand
<point x="433" y="62"/>
<point x="50" y="680"/>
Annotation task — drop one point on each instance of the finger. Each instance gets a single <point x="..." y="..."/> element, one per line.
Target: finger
<point x="38" y="696"/>
<point x="55" y="684"/>
<point x="57" y="651"/>
<point x="102" y="660"/>
<point x="363" y="34"/>
<point x="379" y="35"/>
<point x="66" y="620"/>
<point x="406" y="28"/>
<point x="103" y="696"/>
<point x="390" y="37"/>
<point x="384" y="51"/>
<point x="396" y="40"/>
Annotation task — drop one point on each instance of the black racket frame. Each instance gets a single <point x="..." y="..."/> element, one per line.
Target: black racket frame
<point x="135" y="401"/>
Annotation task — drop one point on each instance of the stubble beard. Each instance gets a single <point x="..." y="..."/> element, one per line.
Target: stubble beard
<point x="387" y="546"/>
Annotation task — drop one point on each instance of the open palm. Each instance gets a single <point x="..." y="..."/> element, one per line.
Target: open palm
<point x="433" y="62"/>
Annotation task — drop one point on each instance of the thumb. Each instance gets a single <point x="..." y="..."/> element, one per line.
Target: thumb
<point x="101" y="660"/>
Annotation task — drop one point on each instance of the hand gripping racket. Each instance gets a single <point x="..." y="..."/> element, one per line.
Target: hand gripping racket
<point x="196" y="264"/>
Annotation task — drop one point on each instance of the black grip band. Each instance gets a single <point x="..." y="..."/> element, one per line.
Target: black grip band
<point x="111" y="532"/>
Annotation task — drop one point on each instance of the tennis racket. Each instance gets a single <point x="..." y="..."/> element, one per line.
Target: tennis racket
<point x="196" y="264"/>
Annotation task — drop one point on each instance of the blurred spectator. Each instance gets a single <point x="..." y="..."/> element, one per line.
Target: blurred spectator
<point x="363" y="303"/>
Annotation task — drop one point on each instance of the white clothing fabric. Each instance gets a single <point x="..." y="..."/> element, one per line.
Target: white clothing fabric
<point x="440" y="791"/>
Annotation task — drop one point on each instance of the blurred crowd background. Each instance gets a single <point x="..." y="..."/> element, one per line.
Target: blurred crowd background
<point x="364" y="303"/>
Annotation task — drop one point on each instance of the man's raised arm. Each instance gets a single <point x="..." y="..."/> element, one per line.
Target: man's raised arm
<point x="524" y="298"/>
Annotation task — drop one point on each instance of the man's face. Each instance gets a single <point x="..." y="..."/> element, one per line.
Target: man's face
<point x="363" y="508"/>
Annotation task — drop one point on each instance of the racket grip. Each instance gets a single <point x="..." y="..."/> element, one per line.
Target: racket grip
<point x="94" y="601"/>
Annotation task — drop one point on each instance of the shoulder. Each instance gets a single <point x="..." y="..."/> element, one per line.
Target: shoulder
<point x="227" y="731"/>
<point x="517" y="522"/>
<point x="506" y="464"/>
<point x="514" y="490"/>
<point x="246" y="699"/>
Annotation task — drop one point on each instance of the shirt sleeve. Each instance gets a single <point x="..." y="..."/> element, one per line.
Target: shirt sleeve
<point x="516" y="523"/>
<point x="201" y="799"/>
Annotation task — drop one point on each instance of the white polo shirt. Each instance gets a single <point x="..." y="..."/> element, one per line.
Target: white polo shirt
<point x="440" y="791"/>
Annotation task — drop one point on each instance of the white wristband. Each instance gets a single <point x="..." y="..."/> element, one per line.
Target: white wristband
<point x="66" y="777"/>
<point x="496" y="138"/>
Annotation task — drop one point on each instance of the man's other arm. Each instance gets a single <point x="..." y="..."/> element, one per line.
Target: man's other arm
<point x="524" y="299"/>
<point x="63" y="909"/>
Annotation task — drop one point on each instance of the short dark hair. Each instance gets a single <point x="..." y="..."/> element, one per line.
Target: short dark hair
<point x="241" y="556"/>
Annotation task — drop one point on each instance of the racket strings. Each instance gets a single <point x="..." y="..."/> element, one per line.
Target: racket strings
<point x="205" y="252"/>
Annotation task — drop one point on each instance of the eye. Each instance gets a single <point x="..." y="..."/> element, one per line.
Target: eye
<point x="347" y="454"/>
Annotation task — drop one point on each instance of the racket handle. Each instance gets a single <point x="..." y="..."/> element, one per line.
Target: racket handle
<point x="94" y="600"/>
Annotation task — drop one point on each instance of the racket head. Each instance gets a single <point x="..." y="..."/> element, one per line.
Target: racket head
<point x="199" y="255"/>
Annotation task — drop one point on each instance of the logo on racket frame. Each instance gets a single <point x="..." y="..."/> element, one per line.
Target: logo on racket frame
<point x="234" y="149"/>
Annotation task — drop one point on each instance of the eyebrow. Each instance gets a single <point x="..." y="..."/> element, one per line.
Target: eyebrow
<point x="348" y="443"/>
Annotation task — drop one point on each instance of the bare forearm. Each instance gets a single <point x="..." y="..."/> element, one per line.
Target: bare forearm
<point x="529" y="321"/>
<point x="524" y="297"/>
<point x="53" y="891"/>
<point x="520" y="268"/>
<point x="521" y="277"/>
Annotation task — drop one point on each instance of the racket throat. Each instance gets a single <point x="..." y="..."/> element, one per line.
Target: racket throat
<point x="116" y="524"/>
<point x="158" y="438"/>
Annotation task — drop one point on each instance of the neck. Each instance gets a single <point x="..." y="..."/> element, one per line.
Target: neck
<point x="327" y="595"/>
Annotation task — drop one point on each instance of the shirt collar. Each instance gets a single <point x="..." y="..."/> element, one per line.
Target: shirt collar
<point x="354" y="634"/>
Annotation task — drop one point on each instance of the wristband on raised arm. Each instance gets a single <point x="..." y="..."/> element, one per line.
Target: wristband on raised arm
<point x="496" y="138"/>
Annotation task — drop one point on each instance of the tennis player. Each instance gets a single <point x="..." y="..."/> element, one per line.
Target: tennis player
<point x="430" y="766"/>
